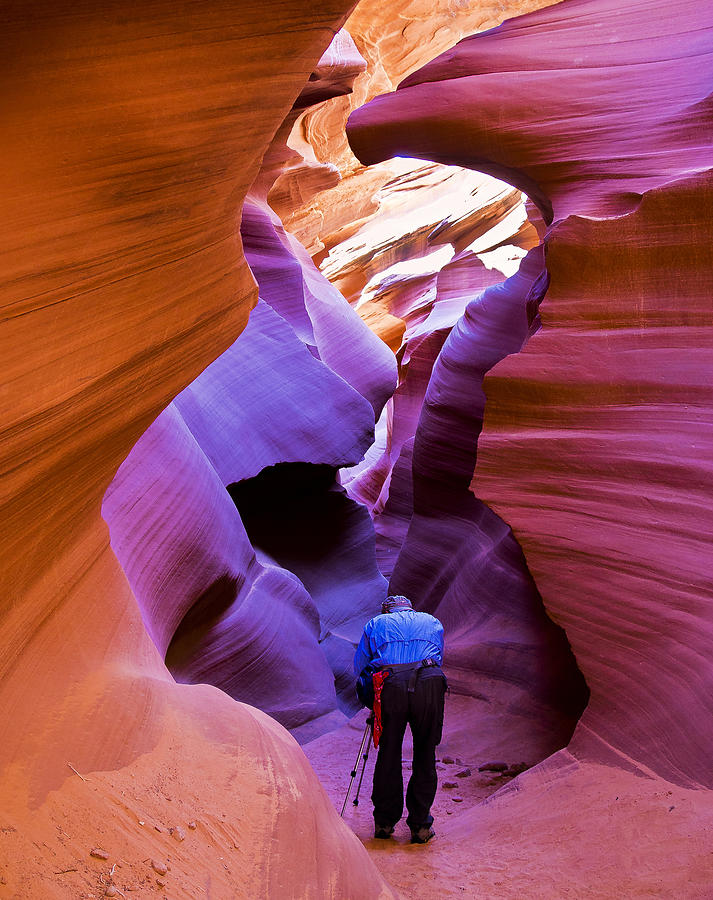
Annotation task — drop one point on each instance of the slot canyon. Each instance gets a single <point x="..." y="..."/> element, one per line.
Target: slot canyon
<point x="308" y="304"/>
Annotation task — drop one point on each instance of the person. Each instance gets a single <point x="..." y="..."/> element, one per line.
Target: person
<point x="401" y="651"/>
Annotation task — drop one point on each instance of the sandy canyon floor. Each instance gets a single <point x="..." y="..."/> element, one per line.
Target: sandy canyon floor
<point x="470" y="739"/>
<point x="593" y="833"/>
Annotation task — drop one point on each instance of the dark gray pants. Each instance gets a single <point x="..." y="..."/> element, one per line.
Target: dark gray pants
<point x="422" y="710"/>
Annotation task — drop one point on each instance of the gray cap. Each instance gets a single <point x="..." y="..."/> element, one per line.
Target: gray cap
<point x="394" y="602"/>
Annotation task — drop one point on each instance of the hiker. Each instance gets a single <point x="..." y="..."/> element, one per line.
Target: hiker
<point x="400" y="655"/>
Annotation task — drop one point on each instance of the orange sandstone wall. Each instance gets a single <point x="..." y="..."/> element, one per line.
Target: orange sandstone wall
<point x="131" y="135"/>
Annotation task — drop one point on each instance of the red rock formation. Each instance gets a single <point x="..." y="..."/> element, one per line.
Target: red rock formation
<point x="131" y="135"/>
<point x="595" y="445"/>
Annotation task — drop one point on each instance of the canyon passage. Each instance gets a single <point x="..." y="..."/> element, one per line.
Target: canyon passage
<point x="304" y="305"/>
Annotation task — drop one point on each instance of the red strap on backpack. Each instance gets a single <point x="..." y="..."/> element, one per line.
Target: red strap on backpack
<point x="378" y="679"/>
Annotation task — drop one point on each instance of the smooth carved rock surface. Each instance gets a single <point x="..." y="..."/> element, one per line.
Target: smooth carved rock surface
<point x="216" y="612"/>
<point x="205" y="599"/>
<point x="271" y="422"/>
<point x="131" y="138"/>
<point x="649" y="126"/>
<point x="623" y="387"/>
<point x="317" y="311"/>
<point x="458" y="559"/>
<point x="595" y="446"/>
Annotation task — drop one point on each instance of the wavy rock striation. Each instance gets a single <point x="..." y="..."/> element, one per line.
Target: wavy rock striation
<point x="595" y="444"/>
<point x="220" y="599"/>
<point x="132" y="137"/>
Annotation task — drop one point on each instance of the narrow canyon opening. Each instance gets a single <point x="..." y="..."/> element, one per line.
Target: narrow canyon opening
<point x="328" y="457"/>
<point x="302" y="514"/>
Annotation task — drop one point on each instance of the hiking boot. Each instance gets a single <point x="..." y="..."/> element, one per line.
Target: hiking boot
<point x="422" y="835"/>
<point x="383" y="831"/>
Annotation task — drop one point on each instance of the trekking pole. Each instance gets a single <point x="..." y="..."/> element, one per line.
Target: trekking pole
<point x="369" y="725"/>
<point x="364" y="738"/>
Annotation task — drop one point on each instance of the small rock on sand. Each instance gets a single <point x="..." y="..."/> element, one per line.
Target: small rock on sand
<point x="457" y="799"/>
<point x="464" y="773"/>
<point x="192" y="826"/>
<point x="448" y="759"/>
<point x="449" y="784"/>
<point x="98" y="853"/>
<point x="178" y="833"/>
<point x="159" y="867"/>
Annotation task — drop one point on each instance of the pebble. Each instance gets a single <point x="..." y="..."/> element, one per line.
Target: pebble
<point x="161" y="882"/>
<point x="465" y="773"/>
<point x="159" y="867"/>
<point x="448" y="759"/>
<point x="449" y="784"/>
<point x="98" y="853"/>
<point x="192" y="826"/>
<point x="457" y="799"/>
<point x="111" y="891"/>
<point x="493" y="767"/>
<point x="178" y="833"/>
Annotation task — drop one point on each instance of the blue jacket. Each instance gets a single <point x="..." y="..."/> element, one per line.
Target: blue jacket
<point x="399" y="637"/>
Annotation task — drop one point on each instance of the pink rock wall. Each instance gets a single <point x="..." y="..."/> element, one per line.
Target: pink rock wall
<point x="624" y="406"/>
<point x="595" y="446"/>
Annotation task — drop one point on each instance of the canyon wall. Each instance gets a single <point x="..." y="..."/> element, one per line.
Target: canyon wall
<point x="136" y="143"/>
<point x="325" y="194"/>
<point x="132" y="136"/>
<point x="595" y="444"/>
<point x="264" y="595"/>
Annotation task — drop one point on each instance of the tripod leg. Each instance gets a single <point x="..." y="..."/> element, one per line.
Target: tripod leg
<point x="365" y="737"/>
<point x="365" y="757"/>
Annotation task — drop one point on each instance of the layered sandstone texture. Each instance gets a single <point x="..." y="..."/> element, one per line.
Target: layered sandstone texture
<point x="325" y="193"/>
<point x="132" y="135"/>
<point x="226" y="515"/>
<point x="596" y="444"/>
